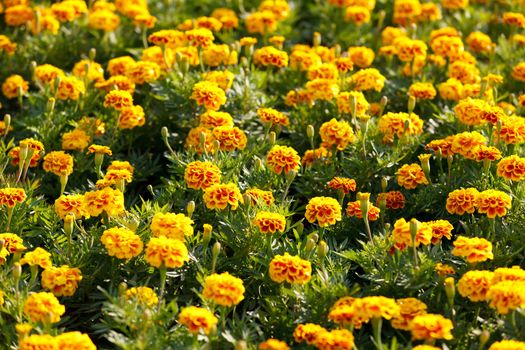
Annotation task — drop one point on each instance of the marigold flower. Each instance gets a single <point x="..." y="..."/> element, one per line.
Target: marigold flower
<point x="175" y="226"/>
<point x="270" y="56"/>
<point x="486" y="153"/>
<point x="514" y="19"/>
<point x="74" y="341"/>
<point x="410" y="176"/>
<point x="201" y="175"/>
<point x="212" y="119"/>
<point x="393" y="199"/>
<point x="12" y="242"/>
<point x="216" y="55"/>
<point x="143" y="72"/>
<point x="58" y="163"/>
<point x="342" y="183"/>
<point x="230" y="138"/>
<point x="93" y="70"/>
<point x="120" y="65"/>
<point x="73" y="204"/>
<point x="224" y="79"/>
<point x="444" y="270"/>
<point x="6" y="45"/>
<point x="518" y="71"/>
<point x="465" y="143"/>
<point x="402" y="236"/>
<point x="507" y="345"/>
<point x="282" y="159"/>
<point x="273" y="116"/>
<point x="199" y="37"/>
<point x="472" y="249"/>
<point x="338" y="133"/>
<point x="38" y="342"/>
<point x="424" y="91"/>
<point x="344" y="103"/>
<point x="38" y="257"/>
<point x="13" y="85"/>
<point x="341" y="339"/>
<point x="268" y="222"/>
<point x="493" y="203"/>
<point x="197" y="319"/>
<point x="506" y="296"/>
<point x="452" y="89"/>
<point x="167" y="252"/>
<point x="106" y="200"/>
<point x="223" y="289"/>
<point x="258" y="196"/>
<point x="273" y="344"/>
<point x="291" y="269"/>
<point x="304" y="60"/>
<point x="168" y="38"/>
<point x="357" y="14"/>
<point x="194" y="140"/>
<point x="99" y="149"/>
<point x="475" y="284"/>
<point x="512" y="168"/>
<point x="321" y="89"/>
<point x="409" y="308"/>
<point x="131" y="117"/>
<point x="18" y="15"/>
<point x="320" y="154"/>
<point x="480" y="42"/>
<point x="227" y="17"/>
<point x="219" y="196"/>
<point x="118" y="99"/>
<point x="61" y="281"/>
<point x="512" y="130"/>
<point x="354" y="209"/>
<point x="323" y="71"/>
<point x="70" y="88"/>
<point x="142" y="295"/>
<point x="68" y="10"/>
<point x="75" y="140"/>
<point x="431" y="326"/>
<point x="10" y="196"/>
<point x="121" y="242"/>
<point x="325" y="210"/>
<point x="261" y="22"/>
<point x="209" y="95"/>
<point x="43" y="307"/>
<point x="514" y="273"/>
<point x="462" y="201"/>
<point x="395" y="124"/>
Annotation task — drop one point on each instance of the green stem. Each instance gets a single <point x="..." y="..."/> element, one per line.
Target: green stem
<point x="377" y="324"/>
<point x="163" y="271"/>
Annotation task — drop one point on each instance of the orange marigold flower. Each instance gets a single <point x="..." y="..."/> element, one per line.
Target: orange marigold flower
<point x="480" y="42"/>
<point x="470" y="111"/>
<point x="107" y="199"/>
<point x="166" y="252"/>
<point x="61" y="281"/>
<point x="307" y="332"/>
<point x="131" y="117"/>
<point x="70" y="88"/>
<point x="354" y="209"/>
<point x="338" y="133"/>
<point x="6" y="45"/>
<point x="473" y="249"/>
<point x="462" y="201"/>
<point x="406" y="11"/>
<point x="174" y="226"/>
<point x="518" y="71"/>
<point x="431" y="326"/>
<point x="291" y="269"/>
<point x="393" y="199"/>
<point x="230" y="138"/>
<point x="268" y="222"/>
<point x="223" y="289"/>
<point x="200" y="140"/>
<point x="402" y="237"/>
<point x="325" y="210"/>
<point x="394" y="124"/>
<point x="58" y="163"/>
<point x="199" y="37"/>
<point x="440" y="229"/>
<point x="122" y="242"/>
<point x="143" y="72"/>
<point x="261" y="22"/>
<point x="486" y="153"/>
<point x="465" y="143"/>
<point x="10" y="196"/>
<point x="344" y="64"/>
<point x="493" y="203"/>
<point x="119" y="65"/>
<point x="357" y="14"/>
<point x="18" y="15"/>
<point x="12" y="243"/>
<point x="475" y="284"/>
<point x="219" y="196"/>
<point x="345" y="104"/>
<point x="514" y="273"/>
<point x="507" y="345"/>
<point x="258" y="196"/>
<point x="75" y="140"/>
<point x="212" y="119"/>
<point x="168" y="38"/>
<point x="512" y="130"/>
<point x="512" y="168"/>
<point x="142" y="296"/>
<point x="342" y="183"/>
<point x="341" y="339"/>
<point x="209" y="95"/>
<point x="93" y="70"/>
<point x="444" y="270"/>
<point x="273" y="116"/>
<point x="361" y="56"/>
<point x="409" y="308"/>
<point x="270" y="56"/>
<point x="514" y="19"/>
<point x="74" y="341"/>
<point x="321" y="89"/>
<point x="320" y="154"/>
<point x="282" y="159"/>
<point x="118" y="100"/>
<point x="224" y="79"/>
<point x="197" y="319"/>
<point x="424" y="91"/>
<point x="73" y="203"/>
<point x="38" y="257"/>
<point x="43" y="307"/>
<point x="410" y="176"/>
<point x="506" y="296"/>
<point x="14" y="85"/>
<point x="201" y="175"/>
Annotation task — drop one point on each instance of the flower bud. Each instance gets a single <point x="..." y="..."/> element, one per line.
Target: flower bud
<point x="50" y="107"/>
<point x="450" y="290"/>
<point x="411" y="104"/>
<point x="133" y="224"/>
<point x="272" y="137"/>
<point x="216" y="249"/>
<point x="259" y="165"/>
<point x="7" y="121"/>
<point x="322" y="250"/>
<point x="414" y="227"/>
<point x="314" y="236"/>
<point x="364" y="202"/>
<point x="206" y="234"/>
<point x="190" y="208"/>
<point x="317" y="39"/>
<point x="310" y="132"/>
<point x="241" y="345"/>
<point x="425" y="164"/>
<point x="17" y="272"/>
<point x="483" y="338"/>
<point x="69" y="224"/>
<point x="244" y="62"/>
<point x="299" y="228"/>
<point x="92" y="54"/>
<point x="122" y="287"/>
<point x="337" y="50"/>
<point x="164" y="132"/>
<point x="384" y="184"/>
<point x="310" y="245"/>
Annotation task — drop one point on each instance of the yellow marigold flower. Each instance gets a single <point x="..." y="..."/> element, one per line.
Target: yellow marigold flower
<point x="142" y="295"/>
<point x="394" y="124"/>
<point x="423" y="91"/>
<point x="344" y="103"/>
<point x="197" y="319"/>
<point x="480" y="42"/>
<point x="357" y="14"/>
<point x="143" y="72"/>
<point x="38" y="342"/>
<point x="93" y="126"/>
<point x="258" y="196"/>
<point x="512" y="130"/>
<point x="353" y="209"/>
<point x="475" y="284"/>
<point x="74" y="341"/>
<point x="68" y="10"/>
<point x="230" y="138"/>
<point x="431" y="326"/>
<point x="282" y="159"/>
<point x="493" y="114"/>
<point x="194" y="140"/>
<point x="47" y="23"/>
<point x="209" y="95"/>
<point x="371" y="307"/>
<point x="167" y="252"/>
<point x="116" y="175"/>
<point x="342" y="183"/>
<point x="277" y="40"/>
<point x="452" y="89"/>
<point x="322" y="89"/>
<point x="465" y="143"/>
<point x="121" y="242"/>
<point x="407" y="49"/>
<point x="410" y="176"/>
<point x="325" y="210"/>
<point x="514" y="19"/>
<point x="307" y="332"/>
<point x="462" y="201"/>
<point x="168" y="38"/>
<point x="131" y="117"/>
<point x="12" y="242"/>
<point x="493" y="203"/>
<point x="291" y="269"/>
<point x="216" y="55"/>
<point x="506" y="296"/>
<point x="406" y="11"/>
<point x="224" y="79"/>
<point x="199" y="37"/>
<point x="58" y="163"/>
<point x="429" y="12"/>
<point x="95" y="72"/>
<point x="344" y="64"/>
<point x="38" y="257"/>
<point x="227" y="17"/>
<point x="270" y="56"/>
<point x="472" y="249"/>
<point x="13" y="84"/>
<point x="454" y="4"/>
<point x="98" y="149"/>
<point x="75" y="140"/>
<point x="268" y="222"/>
<point x="409" y="308"/>
<point x="121" y="165"/>
<point x="361" y="56"/>
<point x="341" y="339"/>
<point x="73" y="203"/>
<point x="482" y="153"/>
<point x="390" y="34"/>
<point x="514" y="273"/>
<point x="175" y="226"/>
<point x="119" y="65"/>
<point x="212" y="119"/>
<point x="223" y="289"/>
<point x="43" y="307"/>
<point x="47" y="74"/>
<point x="519" y="39"/>
<point x="201" y="175"/>
<point x="70" y="88"/>
<point x="336" y="133"/>
<point x="219" y="196"/>
<point x="247" y="41"/>
<point x="118" y="100"/>
<point x="145" y="20"/>
<point x="440" y="229"/>
<point x="323" y="71"/>
<point x="304" y="60"/>
<point x="10" y="196"/>
<point x="279" y="8"/>
<point x="393" y="199"/>
<point x="507" y="345"/>
<point x="466" y="73"/>
<point x="18" y="15"/>
<point x="368" y="79"/>
<point x="23" y="329"/>
<point x="273" y="116"/>
<point x="61" y="281"/>
<point x="106" y="200"/>
<point x="6" y="45"/>
<point x="444" y="270"/>
<point x="518" y="71"/>
<point x="402" y="236"/>
<point x="446" y="45"/>
<point x="261" y="22"/>
<point x="104" y="20"/>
